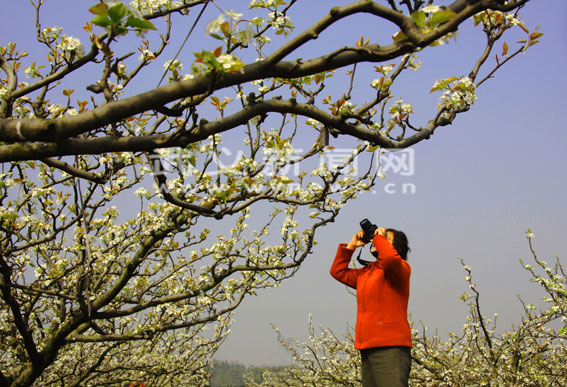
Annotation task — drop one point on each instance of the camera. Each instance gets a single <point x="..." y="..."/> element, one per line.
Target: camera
<point x="368" y="228"/>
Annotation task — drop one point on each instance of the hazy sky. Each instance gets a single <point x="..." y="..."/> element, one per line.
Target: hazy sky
<point x="474" y="189"/>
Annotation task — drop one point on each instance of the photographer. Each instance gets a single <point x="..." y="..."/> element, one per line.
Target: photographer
<point x="383" y="333"/>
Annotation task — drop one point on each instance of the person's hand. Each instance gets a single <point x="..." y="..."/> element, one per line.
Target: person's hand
<point x="356" y="241"/>
<point x="381" y="231"/>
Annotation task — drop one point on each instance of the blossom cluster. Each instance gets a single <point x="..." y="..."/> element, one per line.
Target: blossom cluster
<point x="68" y="48"/>
<point x="281" y="23"/>
<point x="493" y="21"/>
<point x="71" y="47"/>
<point x="459" y="95"/>
<point x="399" y="113"/>
<point x="148" y="6"/>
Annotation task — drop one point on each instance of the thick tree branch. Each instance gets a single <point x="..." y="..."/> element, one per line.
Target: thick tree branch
<point x="336" y="14"/>
<point x="13" y="130"/>
<point x="11" y="84"/>
<point x="147" y="143"/>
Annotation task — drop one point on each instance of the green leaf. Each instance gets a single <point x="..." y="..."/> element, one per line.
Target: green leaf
<point x="101" y="21"/>
<point x="99" y="9"/>
<point x="207" y="58"/>
<point x="192" y="160"/>
<point x="210" y="59"/>
<point x="285" y="180"/>
<point x="142" y="24"/>
<point x="117" y="12"/>
<point x="418" y="18"/>
<point x="121" y="30"/>
<point x="443" y="84"/>
<point x="216" y="36"/>
<point x="440" y="17"/>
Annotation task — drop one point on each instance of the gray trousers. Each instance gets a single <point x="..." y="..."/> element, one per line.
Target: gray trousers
<point x="385" y="366"/>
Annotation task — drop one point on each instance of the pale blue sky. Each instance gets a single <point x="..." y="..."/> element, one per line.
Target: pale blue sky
<point x="498" y="170"/>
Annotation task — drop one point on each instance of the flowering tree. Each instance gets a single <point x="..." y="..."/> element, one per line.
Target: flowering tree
<point x="532" y="353"/>
<point x="326" y="360"/>
<point x="113" y="265"/>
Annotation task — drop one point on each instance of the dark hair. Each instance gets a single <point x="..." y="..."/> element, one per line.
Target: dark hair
<point x="400" y="243"/>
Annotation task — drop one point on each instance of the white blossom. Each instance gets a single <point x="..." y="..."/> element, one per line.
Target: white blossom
<point x="71" y="47"/>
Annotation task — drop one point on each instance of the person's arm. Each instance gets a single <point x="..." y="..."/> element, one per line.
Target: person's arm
<point x="340" y="270"/>
<point x="396" y="269"/>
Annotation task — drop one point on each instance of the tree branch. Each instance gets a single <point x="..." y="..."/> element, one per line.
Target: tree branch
<point x="150" y="332"/>
<point x="147" y="143"/>
<point x="58" y="75"/>
<point x="99" y="145"/>
<point x="11" y="84"/>
<point x="153" y="161"/>
<point x="77" y="172"/>
<point x="13" y="130"/>
<point x="19" y="320"/>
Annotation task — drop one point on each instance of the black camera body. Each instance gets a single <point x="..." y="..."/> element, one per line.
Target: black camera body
<point x="369" y="229"/>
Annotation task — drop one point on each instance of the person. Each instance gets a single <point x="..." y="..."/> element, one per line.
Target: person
<point x="382" y="333"/>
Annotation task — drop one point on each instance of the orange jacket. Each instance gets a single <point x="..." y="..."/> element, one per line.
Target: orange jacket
<point x="382" y="294"/>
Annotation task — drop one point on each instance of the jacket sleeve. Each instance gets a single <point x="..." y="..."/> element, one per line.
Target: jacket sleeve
<point x="340" y="270"/>
<point x="396" y="269"/>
